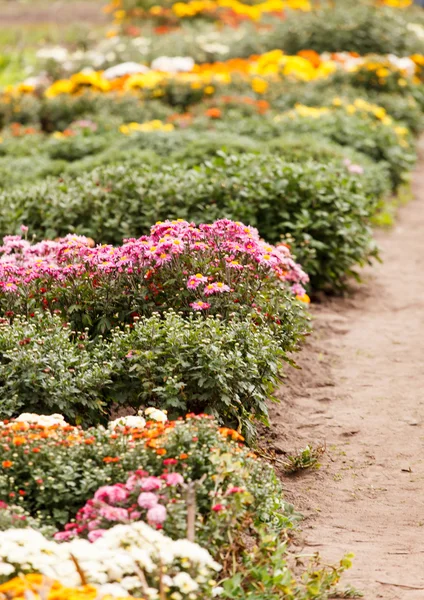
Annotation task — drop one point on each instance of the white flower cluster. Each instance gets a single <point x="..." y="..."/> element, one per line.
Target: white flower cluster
<point x="138" y="421"/>
<point x="124" y="560"/>
<point x="44" y="420"/>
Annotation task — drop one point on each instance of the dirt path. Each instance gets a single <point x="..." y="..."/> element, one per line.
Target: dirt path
<point x="361" y="390"/>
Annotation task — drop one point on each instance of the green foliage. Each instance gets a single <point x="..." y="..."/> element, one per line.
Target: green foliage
<point x="358" y="27"/>
<point x="377" y="140"/>
<point x="324" y="209"/>
<point x="182" y="365"/>
<point x="265" y="573"/>
<point x="226" y="369"/>
<point x="44" y="369"/>
<point x="306" y="458"/>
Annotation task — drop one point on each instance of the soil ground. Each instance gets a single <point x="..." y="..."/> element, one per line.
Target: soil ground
<point x="361" y="391"/>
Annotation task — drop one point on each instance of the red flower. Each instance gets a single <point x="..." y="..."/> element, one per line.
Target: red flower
<point x="170" y="461"/>
<point x="218" y="507"/>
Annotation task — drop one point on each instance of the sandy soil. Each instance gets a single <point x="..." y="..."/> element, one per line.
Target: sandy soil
<point x="361" y="391"/>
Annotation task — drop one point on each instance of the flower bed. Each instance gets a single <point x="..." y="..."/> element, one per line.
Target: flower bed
<point x="301" y="127"/>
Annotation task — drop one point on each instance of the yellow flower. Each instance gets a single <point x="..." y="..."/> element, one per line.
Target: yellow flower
<point x="260" y="86"/>
<point x="148" y="126"/>
<point x="382" y="72"/>
<point x="61" y="86"/>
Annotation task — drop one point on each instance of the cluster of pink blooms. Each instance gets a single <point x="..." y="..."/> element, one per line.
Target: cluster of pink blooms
<point x="210" y="260"/>
<point x="142" y="497"/>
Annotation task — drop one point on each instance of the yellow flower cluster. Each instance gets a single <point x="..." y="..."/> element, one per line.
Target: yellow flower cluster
<point x="38" y="587"/>
<point x="398" y="3"/>
<point x="257" y="70"/>
<point x="155" y="125"/>
<point x="359" y="105"/>
<point x="251" y="11"/>
<point x="254" y="12"/>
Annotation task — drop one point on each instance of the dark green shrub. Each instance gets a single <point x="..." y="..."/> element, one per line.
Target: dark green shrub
<point x="44" y="369"/>
<point x="325" y="210"/>
<point x="228" y="369"/>
<point x="347" y="27"/>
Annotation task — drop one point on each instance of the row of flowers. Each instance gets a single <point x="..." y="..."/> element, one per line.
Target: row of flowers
<point x="258" y="71"/>
<point x="170" y="480"/>
<point x="128" y="12"/>
<point x="219" y="268"/>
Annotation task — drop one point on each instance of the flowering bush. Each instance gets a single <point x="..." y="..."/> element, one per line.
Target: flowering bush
<point x="195" y="364"/>
<point x="223" y="268"/>
<point x="13" y="516"/>
<point x="264" y="191"/>
<point x="381" y="139"/>
<point x="133" y="557"/>
<point x="52" y="471"/>
<point x="20" y="587"/>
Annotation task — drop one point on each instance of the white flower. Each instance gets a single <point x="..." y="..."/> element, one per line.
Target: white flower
<point x="130" y="421"/>
<point x="185" y="583"/>
<point x="114" y="589"/>
<point x="111" y="562"/>
<point x="44" y="420"/>
<point x="6" y="569"/>
<point x="57" y="53"/>
<point x="126" y="68"/>
<point x="173" y="64"/>
<point x="404" y="64"/>
<point x="216" y="48"/>
<point x="156" y="415"/>
<point x="417" y="29"/>
<point x="216" y="591"/>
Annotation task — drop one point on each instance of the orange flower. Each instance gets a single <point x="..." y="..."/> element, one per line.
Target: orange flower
<point x="213" y="113"/>
<point x="183" y="456"/>
<point x="231" y="433"/>
<point x="161" y="451"/>
<point x="6" y="464"/>
<point x="36" y="450"/>
<point x="111" y="459"/>
<point x="19" y="441"/>
<point x="313" y="57"/>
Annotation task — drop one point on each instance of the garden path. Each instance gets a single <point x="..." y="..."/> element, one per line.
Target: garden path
<point x="361" y="391"/>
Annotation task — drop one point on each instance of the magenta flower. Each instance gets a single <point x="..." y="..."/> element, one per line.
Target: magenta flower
<point x="195" y="280"/>
<point x="156" y="515"/>
<point x="298" y="290"/>
<point x="96" y="534"/>
<point x="235" y="490"/>
<point x="151" y="483"/>
<point x="64" y="536"/>
<point x="174" y="479"/>
<point x="356" y="169"/>
<point x="147" y="500"/>
<point x="200" y="305"/>
<point x="113" y="513"/>
<point x="111" y="493"/>
<point x="216" y="288"/>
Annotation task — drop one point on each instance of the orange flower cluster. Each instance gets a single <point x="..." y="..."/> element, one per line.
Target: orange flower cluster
<point x="38" y="587"/>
